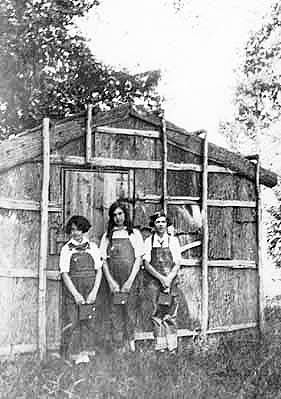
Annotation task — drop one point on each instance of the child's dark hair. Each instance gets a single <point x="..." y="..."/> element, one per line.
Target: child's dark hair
<point x="80" y="222"/>
<point x="111" y="224"/>
<point x="157" y="215"/>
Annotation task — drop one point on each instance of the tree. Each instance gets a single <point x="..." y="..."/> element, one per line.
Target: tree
<point x="47" y="69"/>
<point x="258" y="95"/>
<point x="257" y="122"/>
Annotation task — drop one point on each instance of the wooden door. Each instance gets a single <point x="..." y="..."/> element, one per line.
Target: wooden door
<point x="90" y="194"/>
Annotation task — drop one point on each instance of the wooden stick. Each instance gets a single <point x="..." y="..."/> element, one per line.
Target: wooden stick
<point x="232" y="203"/>
<point x="232" y="264"/>
<point x="89" y="154"/>
<point x="154" y="198"/>
<point x="10" y="350"/>
<point x="184" y="332"/>
<point x="42" y="341"/>
<point x="153" y="134"/>
<point x="27" y="205"/>
<point x="235" y="263"/>
<point x="164" y="164"/>
<point x="261" y="299"/>
<point x="190" y="245"/>
<point x="24" y="148"/>
<point x="205" y="288"/>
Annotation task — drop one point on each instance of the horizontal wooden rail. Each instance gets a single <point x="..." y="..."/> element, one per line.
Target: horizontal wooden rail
<point x="102" y="162"/>
<point x="183" y="167"/>
<point x="234" y="264"/>
<point x="232" y="203"/>
<point x="233" y="327"/>
<point x="153" y="134"/>
<point x="194" y="200"/>
<point x="152" y="198"/>
<point x="30" y="205"/>
<point x="55" y="274"/>
<point x="142" y="336"/>
<point x="27" y="205"/>
<point x="11" y="350"/>
<point x="28" y="273"/>
<point x="18" y="272"/>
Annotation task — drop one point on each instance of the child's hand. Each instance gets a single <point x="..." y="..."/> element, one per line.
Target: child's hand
<point x="126" y="287"/>
<point x="114" y="287"/>
<point x="79" y="299"/>
<point x="91" y="299"/>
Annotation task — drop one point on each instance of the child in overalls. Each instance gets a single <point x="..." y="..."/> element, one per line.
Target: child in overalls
<point x="81" y="269"/>
<point x="121" y="250"/>
<point x="162" y="259"/>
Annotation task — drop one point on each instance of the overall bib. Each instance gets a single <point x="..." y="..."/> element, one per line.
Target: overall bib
<point x="78" y="335"/>
<point x="121" y="258"/>
<point x="163" y="316"/>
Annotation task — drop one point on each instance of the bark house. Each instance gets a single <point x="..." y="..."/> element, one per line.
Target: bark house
<point x="80" y="165"/>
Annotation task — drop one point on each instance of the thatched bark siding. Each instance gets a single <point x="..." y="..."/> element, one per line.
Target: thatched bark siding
<point x="18" y="306"/>
<point x="232" y="296"/>
<point x="22" y="182"/>
<point x="89" y="188"/>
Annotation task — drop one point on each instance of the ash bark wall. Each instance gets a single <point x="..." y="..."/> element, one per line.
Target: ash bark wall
<point x="20" y="187"/>
<point x="232" y="232"/>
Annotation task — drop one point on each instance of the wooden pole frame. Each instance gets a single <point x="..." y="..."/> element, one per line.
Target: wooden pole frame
<point x="89" y="138"/>
<point x="205" y="287"/>
<point x="261" y="319"/>
<point x="164" y="163"/>
<point x="42" y="281"/>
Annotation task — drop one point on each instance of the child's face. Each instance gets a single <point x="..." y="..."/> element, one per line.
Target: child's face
<point x="75" y="233"/>
<point x="119" y="217"/>
<point x="160" y="225"/>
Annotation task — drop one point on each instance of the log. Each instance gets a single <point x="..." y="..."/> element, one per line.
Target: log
<point x="232" y="264"/>
<point x="28" y="146"/>
<point x="42" y="338"/>
<point x="231" y="203"/>
<point x="27" y="205"/>
<point x="153" y="134"/>
<point x="89" y="140"/>
<point x="28" y="273"/>
<point x="205" y="289"/>
<point x="233" y="161"/>
<point x="261" y="298"/>
<point x="11" y="350"/>
<point x="143" y="336"/>
<point x="164" y="164"/>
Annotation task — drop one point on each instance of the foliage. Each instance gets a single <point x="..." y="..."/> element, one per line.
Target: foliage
<point x="274" y="231"/>
<point x="258" y="97"/>
<point x="47" y="69"/>
<point x="257" y="120"/>
<point x="241" y="365"/>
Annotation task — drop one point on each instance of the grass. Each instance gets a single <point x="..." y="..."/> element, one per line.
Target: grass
<point x="239" y="366"/>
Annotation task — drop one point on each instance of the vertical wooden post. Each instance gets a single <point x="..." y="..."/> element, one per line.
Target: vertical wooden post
<point x="42" y="340"/>
<point x="89" y="134"/>
<point x="164" y="163"/>
<point x="205" y="287"/>
<point x="260" y="251"/>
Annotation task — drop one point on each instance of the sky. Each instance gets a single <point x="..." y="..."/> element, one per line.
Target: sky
<point x="197" y="50"/>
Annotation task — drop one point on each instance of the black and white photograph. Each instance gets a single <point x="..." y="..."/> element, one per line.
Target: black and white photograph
<point x="140" y="213"/>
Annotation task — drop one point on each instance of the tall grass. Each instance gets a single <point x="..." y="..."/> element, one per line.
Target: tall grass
<point x="243" y="366"/>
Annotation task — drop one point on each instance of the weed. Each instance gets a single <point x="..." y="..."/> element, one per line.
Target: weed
<point x="243" y="366"/>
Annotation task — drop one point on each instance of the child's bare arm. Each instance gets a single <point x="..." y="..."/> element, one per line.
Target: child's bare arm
<point x="79" y="299"/>
<point x="113" y="285"/>
<point x="93" y="294"/>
